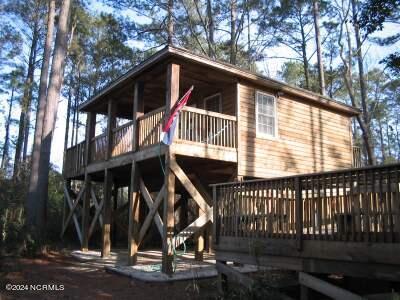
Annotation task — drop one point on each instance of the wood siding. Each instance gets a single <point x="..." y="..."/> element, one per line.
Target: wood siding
<point x="310" y="138"/>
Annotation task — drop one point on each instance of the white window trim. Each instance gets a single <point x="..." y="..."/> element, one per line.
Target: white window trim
<point x="212" y="96"/>
<point x="262" y="134"/>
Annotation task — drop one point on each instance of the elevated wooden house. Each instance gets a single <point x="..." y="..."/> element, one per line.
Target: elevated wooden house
<point x="237" y="125"/>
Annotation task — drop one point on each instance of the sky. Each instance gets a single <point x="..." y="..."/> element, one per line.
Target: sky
<point x="373" y="54"/>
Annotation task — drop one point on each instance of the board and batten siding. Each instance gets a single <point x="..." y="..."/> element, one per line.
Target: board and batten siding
<point x="310" y="138"/>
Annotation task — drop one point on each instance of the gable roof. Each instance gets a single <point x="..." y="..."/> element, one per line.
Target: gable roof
<point x="172" y="51"/>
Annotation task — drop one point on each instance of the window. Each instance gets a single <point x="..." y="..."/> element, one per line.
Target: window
<point x="266" y="115"/>
<point x="213" y="103"/>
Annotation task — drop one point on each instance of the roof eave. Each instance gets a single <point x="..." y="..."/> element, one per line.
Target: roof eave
<point x="271" y="83"/>
<point x="131" y="73"/>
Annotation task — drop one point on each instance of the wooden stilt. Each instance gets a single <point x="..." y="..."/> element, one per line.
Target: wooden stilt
<point x="89" y="134"/>
<point x="134" y="198"/>
<point x="86" y="213"/>
<point x="168" y="218"/>
<point x="133" y="229"/>
<point x="106" y="243"/>
<point x="114" y="216"/>
<point x="68" y="185"/>
<point x="169" y="199"/>
<point x="199" y="251"/>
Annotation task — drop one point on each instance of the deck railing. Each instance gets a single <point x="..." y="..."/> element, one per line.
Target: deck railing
<point x="122" y="139"/>
<point x="211" y="128"/>
<point x="360" y="205"/>
<point x="98" y="148"/>
<point x="150" y="126"/>
<point x="74" y="159"/>
<point x="195" y="125"/>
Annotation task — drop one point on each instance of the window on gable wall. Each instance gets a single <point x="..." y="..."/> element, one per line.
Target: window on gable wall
<point x="265" y="115"/>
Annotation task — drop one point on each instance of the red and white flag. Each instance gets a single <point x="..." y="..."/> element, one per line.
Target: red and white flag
<point x="168" y="130"/>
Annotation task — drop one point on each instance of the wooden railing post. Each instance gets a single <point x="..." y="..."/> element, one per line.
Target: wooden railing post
<point x="111" y="122"/>
<point x="89" y="135"/>
<point x="138" y="109"/>
<point x="299" y="212"/>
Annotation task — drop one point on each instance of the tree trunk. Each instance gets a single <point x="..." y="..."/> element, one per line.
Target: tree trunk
<point x="382" y="143"/>
<point x="348" y="80"/>
<point x="389" y="148"/>
<point x="170" y="29"/>
<point x="5" y="156"/>
<point x="249" y="61"/>
<point x="232" y="58"/>
<point x="304" y="52"/>
<point x="398" y="138"/>
<point x="363" y="87"/>
<point x="50" y="116"/>
<point x="33" y="195"/>
<point x="211" y="51"/>
<point x="321" y="73"/>
<point x="27" y="124"/>
<point x="77" y="119"/>
<point x="73" y="124"/>
<point x="26" y="100"/>
<point x="66" y="134"/>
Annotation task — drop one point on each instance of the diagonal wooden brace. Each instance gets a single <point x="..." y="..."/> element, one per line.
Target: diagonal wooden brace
<point x="150" y="204"/>
<point x="152" y="214"/>
<point x="194" y="227"/>
<point x="97" y="215"/>
<point x="194" y="193"/>
<point x="72" y="206"/>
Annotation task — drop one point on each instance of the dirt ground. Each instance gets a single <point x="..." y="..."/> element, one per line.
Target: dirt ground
<point x="76" y="280"/>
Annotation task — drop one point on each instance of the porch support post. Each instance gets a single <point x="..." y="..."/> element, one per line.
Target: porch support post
<point x="199" y="251"/>
<point x="138" y="110"/>
<point x="111" y="124"/>
<point x="168" y="216"/>
<point x="68" y="185"/>
<point x="106" y="243"/>
<point x="169" y="199"/>
<point x="114" y="214"/>
<point x="133" y="213"/>
<point x="86" y="213"/>
<point x="89" y="134"/>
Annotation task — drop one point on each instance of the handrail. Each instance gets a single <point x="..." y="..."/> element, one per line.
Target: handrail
<point x="348" y="170"/>
<point x="209" y="113"/>
<point x="123" y="126"/>
<point x="150" y="113"/>
<point x="98" y="136"/>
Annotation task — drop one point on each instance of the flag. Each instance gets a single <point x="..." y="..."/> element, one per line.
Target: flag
<point x="168" y="130"/>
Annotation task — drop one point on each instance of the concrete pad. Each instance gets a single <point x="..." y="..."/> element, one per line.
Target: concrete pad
<point x="148" y="267"/>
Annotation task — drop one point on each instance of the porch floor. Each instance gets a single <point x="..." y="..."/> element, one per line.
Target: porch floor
<point x="148" y="267"/>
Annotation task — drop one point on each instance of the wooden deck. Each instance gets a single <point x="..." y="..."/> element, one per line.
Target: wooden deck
<point x="199" y="133"/>
<point x="345" y="222"/>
